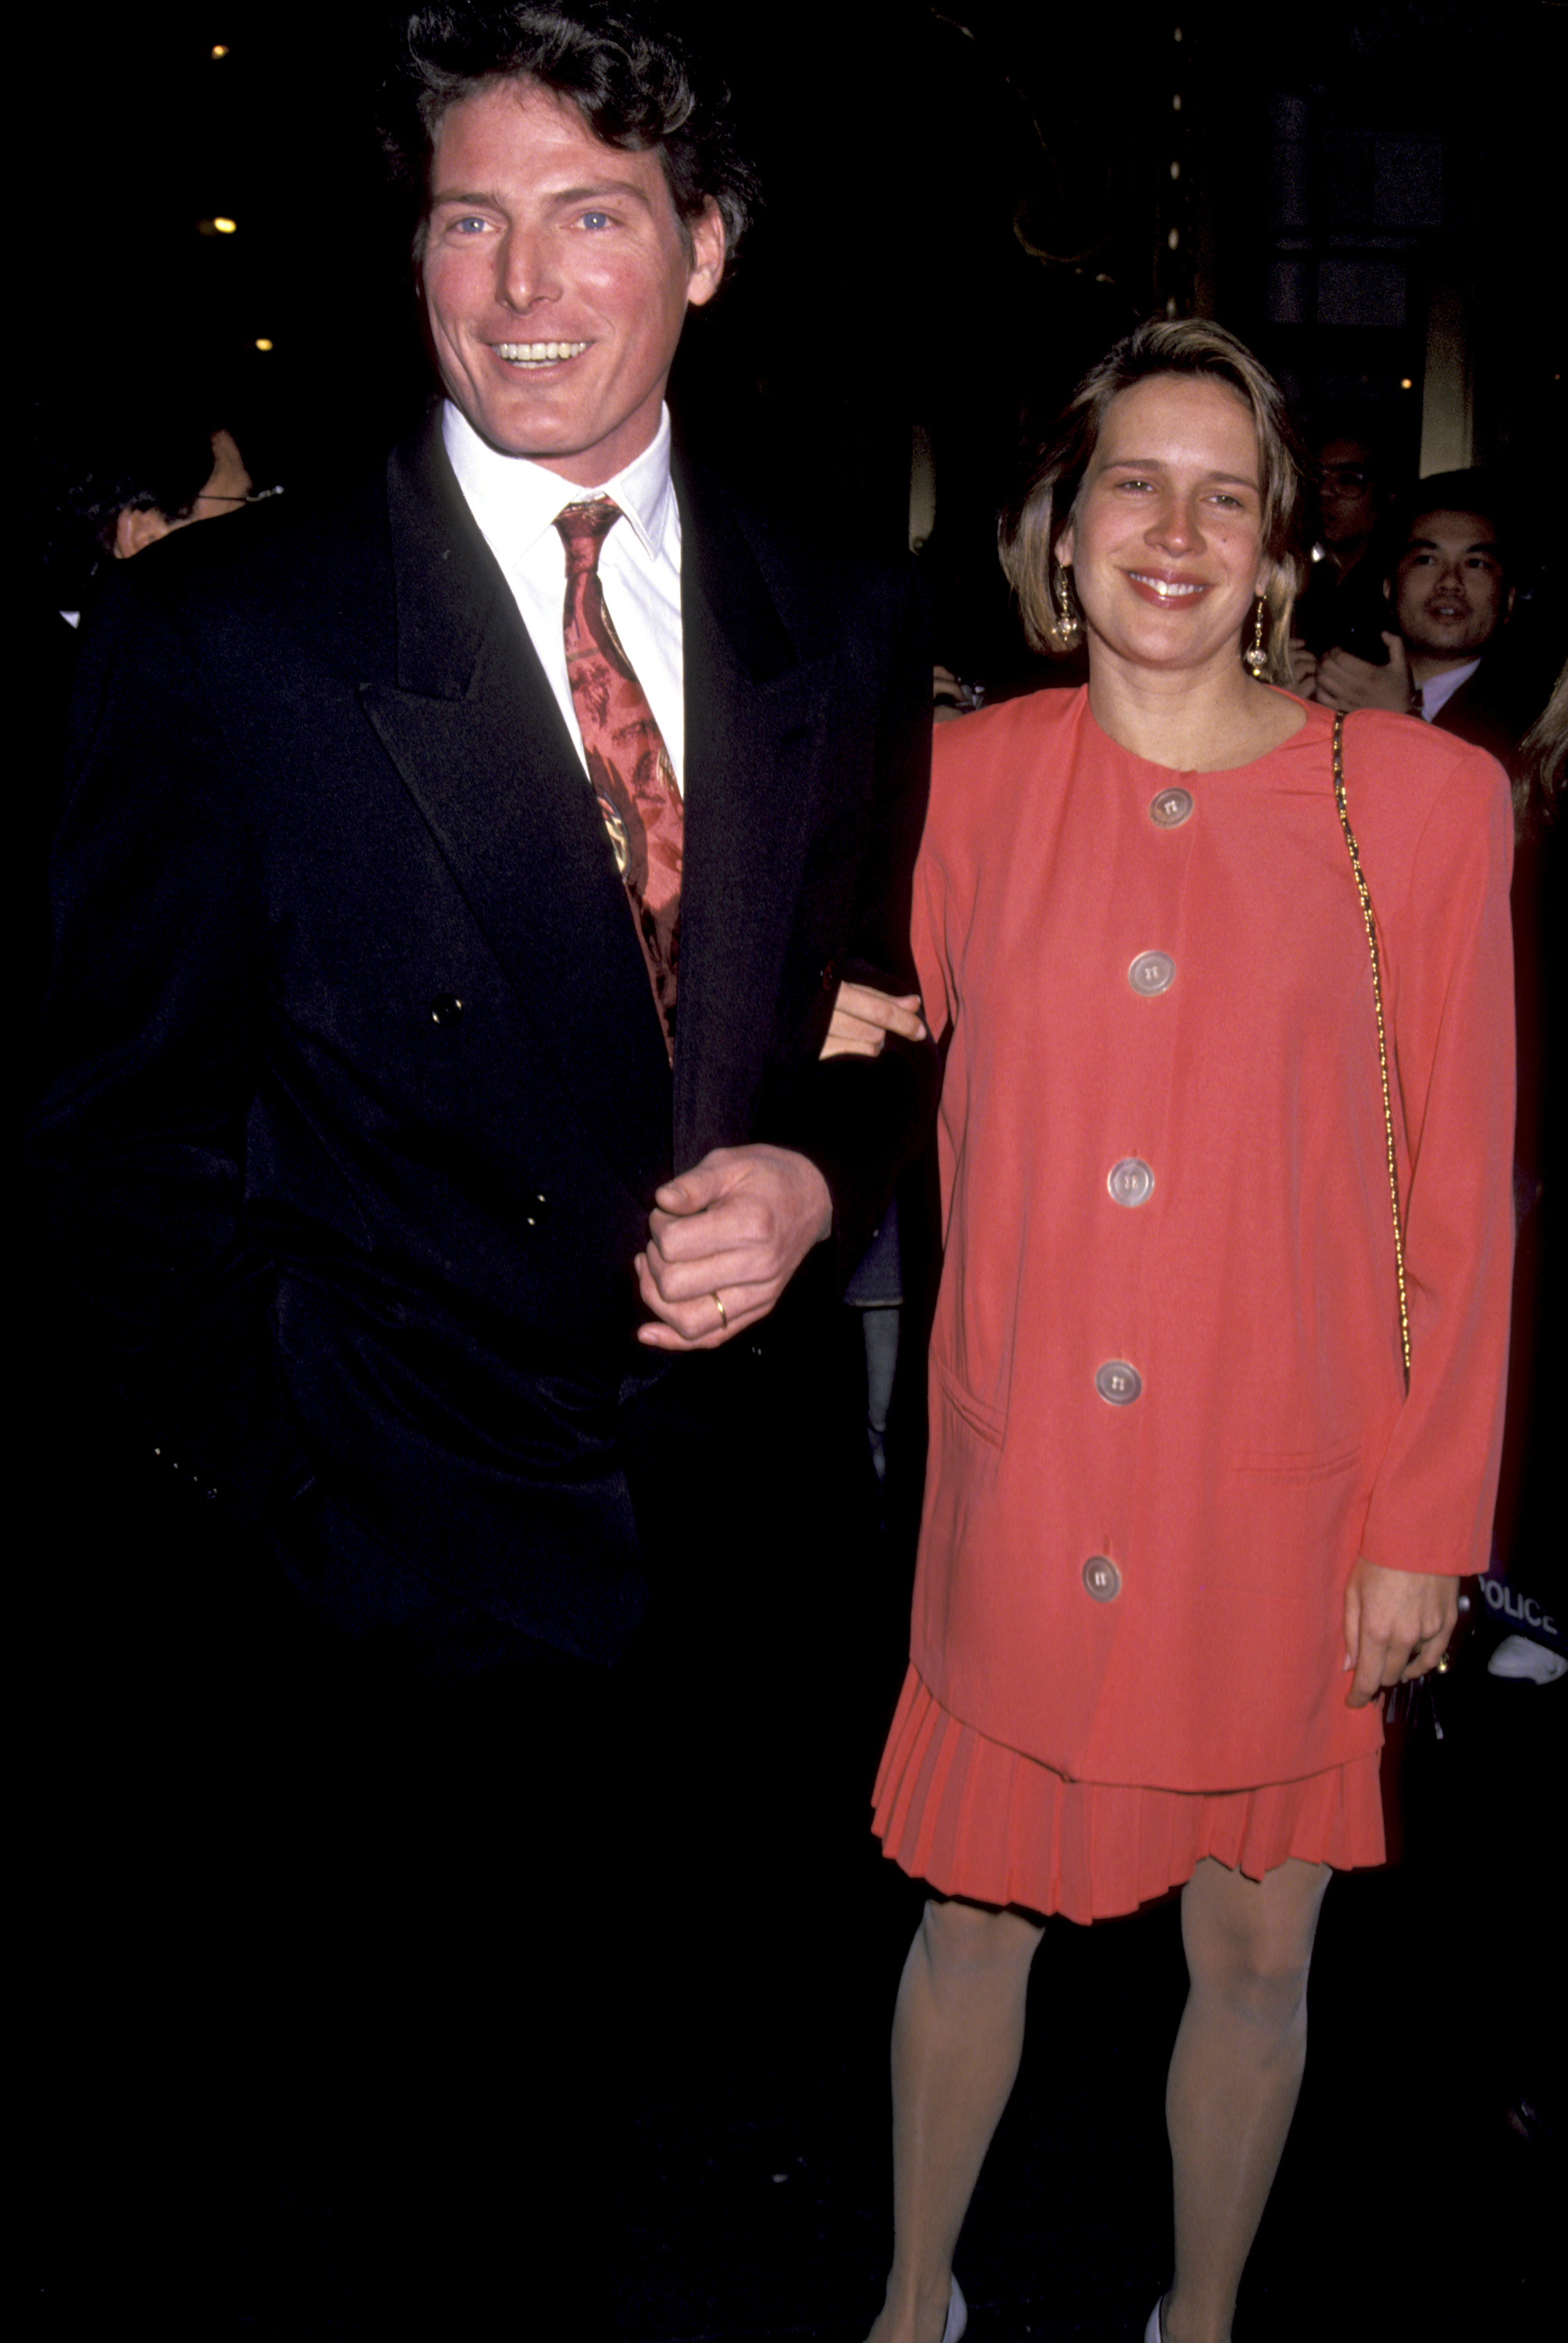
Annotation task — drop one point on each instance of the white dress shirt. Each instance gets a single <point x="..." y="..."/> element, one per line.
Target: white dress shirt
<point x="515" y="502"/>
<point x="1438" y="690"/>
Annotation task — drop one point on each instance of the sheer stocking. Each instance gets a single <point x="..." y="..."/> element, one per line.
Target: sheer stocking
<point x="1235" y="2075"/>
<point x="958" y="2035"/>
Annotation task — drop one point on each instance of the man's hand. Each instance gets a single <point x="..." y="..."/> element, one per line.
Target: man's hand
<point x="1397" y="1626"/>
<point x="864" y="1018"/>
<point x="948" y="701"/>
<point x="1347" y="682"/>
<point x="724" y="1242"/>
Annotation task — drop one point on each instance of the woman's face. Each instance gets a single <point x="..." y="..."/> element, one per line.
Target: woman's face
<point x="1166" y="541"/>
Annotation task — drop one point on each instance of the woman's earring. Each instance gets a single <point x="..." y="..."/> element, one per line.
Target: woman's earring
<point x="1256" y="660"/>
<point x="1069" y="625"/>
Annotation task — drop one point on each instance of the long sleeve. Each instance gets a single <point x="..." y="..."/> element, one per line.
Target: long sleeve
<point x="151" y="1036"/>
<point x="861" y="1121"/>
<point x="1454" y="1045"/>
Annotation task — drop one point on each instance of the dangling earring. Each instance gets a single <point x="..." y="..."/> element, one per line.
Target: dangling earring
<point x="1256" y="660"/>
<point x="1069" y="625"/>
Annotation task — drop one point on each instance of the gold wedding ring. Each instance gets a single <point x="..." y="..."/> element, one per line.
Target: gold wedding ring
<point x="723" y="1313"/>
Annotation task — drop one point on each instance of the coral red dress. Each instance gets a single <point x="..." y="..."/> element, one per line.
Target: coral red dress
<point x="1168" y="1408"/>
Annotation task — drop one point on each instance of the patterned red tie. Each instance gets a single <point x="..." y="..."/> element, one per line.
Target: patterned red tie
<point x="627" y="762"/>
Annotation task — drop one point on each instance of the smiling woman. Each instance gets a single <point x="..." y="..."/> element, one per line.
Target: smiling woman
<point x="1185" y="1518"/>
<point x="1259" y="442"/>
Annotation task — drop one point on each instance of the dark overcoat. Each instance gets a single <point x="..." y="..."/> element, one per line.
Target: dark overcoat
<point x="359" y="1097"/>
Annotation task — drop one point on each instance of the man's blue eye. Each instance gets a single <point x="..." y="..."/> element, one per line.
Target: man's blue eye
<point x="596" y="219"/>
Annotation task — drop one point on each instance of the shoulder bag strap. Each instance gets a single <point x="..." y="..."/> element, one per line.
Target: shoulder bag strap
<point x="1366" y="905"/>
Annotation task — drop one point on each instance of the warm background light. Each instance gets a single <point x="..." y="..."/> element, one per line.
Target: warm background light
<point x="262" y="343"/>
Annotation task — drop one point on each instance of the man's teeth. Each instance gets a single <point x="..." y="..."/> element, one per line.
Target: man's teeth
<point x="1164" y="588"/>
<point x="538" y="353"/>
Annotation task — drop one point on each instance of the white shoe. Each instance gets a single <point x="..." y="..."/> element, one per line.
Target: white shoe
<point x="957" y="2315"/>
<point x="1154" y="2332"/>
<point x="1521" y="1657"/>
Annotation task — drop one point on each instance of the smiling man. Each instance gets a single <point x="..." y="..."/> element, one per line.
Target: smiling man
<point x="457" y="884"/>
<point x="1451" y="596"/>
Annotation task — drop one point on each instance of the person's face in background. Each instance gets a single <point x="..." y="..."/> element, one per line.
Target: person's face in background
<point x="1450" y="590"/>
<point x="225" y="490"/>
<point x="1349" y="499"/>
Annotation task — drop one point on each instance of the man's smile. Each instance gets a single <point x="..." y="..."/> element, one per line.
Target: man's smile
<point x="538" y="353"/>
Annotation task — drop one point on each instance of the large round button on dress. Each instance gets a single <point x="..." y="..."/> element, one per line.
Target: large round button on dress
<point x="1170" y="808"/>
<point x="1130" y="1181"/>
<point x="1151" y="972"/>
<point x="1102" y="1578"/>
<point x="1117" y="1382"/>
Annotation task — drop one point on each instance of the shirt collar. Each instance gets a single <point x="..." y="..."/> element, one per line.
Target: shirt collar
<point x="1439" y="689"/>
<point x="521" y="499"/>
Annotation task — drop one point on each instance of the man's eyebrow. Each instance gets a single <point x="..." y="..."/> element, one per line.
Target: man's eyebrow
<point x="1431" y="545"/>
<point x="482" y="198"/>
<point x="602" y="188"/>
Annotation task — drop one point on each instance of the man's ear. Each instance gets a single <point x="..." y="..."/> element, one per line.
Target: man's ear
<point x="708" y="250"/>
<point x="1507" y="609"/>
<point x="136" y="527"/>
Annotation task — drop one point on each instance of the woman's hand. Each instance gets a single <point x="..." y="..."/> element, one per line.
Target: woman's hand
<point x="864" y="1018"/>
<point x="1397" y="1626"/>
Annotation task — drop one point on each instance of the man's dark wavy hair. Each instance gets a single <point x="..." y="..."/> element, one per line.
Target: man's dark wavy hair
<point x="636" y="83"/>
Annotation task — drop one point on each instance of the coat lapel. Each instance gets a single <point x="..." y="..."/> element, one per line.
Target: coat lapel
<point x="755" y="717"/>
<point x="474" y="730"/>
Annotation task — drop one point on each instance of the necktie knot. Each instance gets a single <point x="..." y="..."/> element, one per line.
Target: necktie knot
<point x="583" y="529"/>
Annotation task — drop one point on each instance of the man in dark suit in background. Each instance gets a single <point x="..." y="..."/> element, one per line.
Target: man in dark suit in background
<point x="441" y="1150"/>
<point x="1450" y="595"/>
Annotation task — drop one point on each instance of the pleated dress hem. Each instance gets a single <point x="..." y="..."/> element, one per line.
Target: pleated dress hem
<point x="973" y="1818"/>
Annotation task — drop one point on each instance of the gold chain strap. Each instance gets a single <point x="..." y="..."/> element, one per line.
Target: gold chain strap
<point x="1362" y="891"/>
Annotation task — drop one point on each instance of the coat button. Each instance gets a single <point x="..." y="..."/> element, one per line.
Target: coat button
<point x="446" y="1008"/>
<point x="1130" y="1181"/>
<point x="1170" y="808"/>
<point x="1151" y="972"/>
<point x="535" y="1211"/>
<point x="1102" y="1578"/>
<point x="1117" y="1382"/>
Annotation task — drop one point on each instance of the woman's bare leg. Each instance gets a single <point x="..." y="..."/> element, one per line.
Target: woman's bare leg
<point x="1235" y="2075"/>
<point x="958" y="2033"/>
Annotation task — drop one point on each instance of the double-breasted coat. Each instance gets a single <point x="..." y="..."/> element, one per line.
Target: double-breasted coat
<point x="359" y="1098"/>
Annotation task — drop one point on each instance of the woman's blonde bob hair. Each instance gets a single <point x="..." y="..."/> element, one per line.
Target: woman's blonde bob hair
<point x="1031" y="527"/>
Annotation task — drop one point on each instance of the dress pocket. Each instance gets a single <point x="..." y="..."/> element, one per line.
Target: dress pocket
<point x="990" y="1423"/>
<point x="1298" y="1465"/>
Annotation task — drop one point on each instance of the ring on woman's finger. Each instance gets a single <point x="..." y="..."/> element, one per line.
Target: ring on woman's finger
<point x="723" y="1313"/>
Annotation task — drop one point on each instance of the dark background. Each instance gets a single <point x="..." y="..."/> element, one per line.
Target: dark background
<point x="964" y="210"/>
